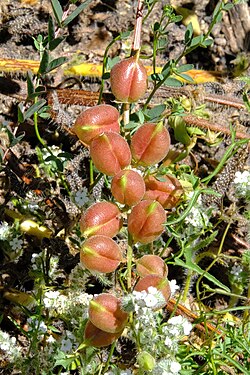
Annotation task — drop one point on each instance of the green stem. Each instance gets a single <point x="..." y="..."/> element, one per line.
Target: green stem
<point x="187" y="285"/>
<point x="104" y="66"/>
<point x="129" y="263"/>
<point x="191" y="204"/>
<point x="109" y="358"/>
<point x="232" y="149"/>
<point x="213" y="262"/>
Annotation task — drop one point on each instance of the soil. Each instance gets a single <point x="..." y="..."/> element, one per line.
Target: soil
<point x="86" y="40"/>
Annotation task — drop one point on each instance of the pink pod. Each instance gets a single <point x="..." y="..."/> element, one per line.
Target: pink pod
<point x="110" y="153"/>
<point x="128" y="80"/>
<point x="150" y="144"/>
<point x="146" y="220"/>
<point x="105" y="313"/>
<point x="128" y="187"/>
<point x="102" y="218"/>
<point x="96" y="120"/>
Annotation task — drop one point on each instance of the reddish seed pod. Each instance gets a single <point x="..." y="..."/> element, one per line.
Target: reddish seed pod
<point x="110" y="153"/>
<point x="98" y="338"/>
<point x="128" y="80"/>
<point x="128" y="187"/>
<point x="96" y="120"/>
<point x="102" y="218"/>
<point x="101" y="254"/>
<point x="167" y="192"/>
<point x="145" y="223"/>
<point x="151" y="265"/>
<point x="150" y="144"/>
<point x="158" y="282"/>
<point x="106" y="314"/>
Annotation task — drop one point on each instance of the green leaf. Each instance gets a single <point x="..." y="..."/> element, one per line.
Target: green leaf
<point x="16" y="140"/>
<point x="189" y="33"/>
<point x="20" y="116"/>
<point x="55" y="63"/>
<point x="55" y="42"/>
<point x="156" y="77"/>
<point x="125" y="35"/>
<point x="196" y="41"/>
<point x="207" y="42"/>
<point x="1" y="159"/>
<point x="30" y="85"/>
<point x="246" y="100"/>
<point x="44" y="63"/>
<point x="156" y="26"/>
<point x="75" y="13"/>
<point x="155" y="113"/>
<point x="177" y="18"/>
<point x="219" y="17"/>
<point x="106" y="75"/>
<point x="57" y="10"/>
<point x="45" y="115"/>
<point x="34" y="108"/>
<point x="194" y="267"/>
<point x="185" y="68"/>
<point x="172" y="82"/>
<point x="186" y="77"/>
<point x="227" y="6"/>
<point x="51" y="29"/>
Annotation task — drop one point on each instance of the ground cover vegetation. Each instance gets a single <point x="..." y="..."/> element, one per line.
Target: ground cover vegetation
<point x="113" y="241"/>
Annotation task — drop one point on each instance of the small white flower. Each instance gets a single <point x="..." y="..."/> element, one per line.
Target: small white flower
<point x="168" y="342"/>
<point x="16" y="243"/>
<point x="66" y="345"/>
<point x="236" y="270"/>
<point x="175" y="320"/>
<point x="242" y="177"/>
<point x="50" y="339"/>
<point x="50" y="298"/>
<point x="175" y="367"/>
<point x="4" y="230"/>
<point x="173" y="286"/>
<point x="187" y="327"/>
<point x="151" y="300"/>
<point x="81" y="197"/>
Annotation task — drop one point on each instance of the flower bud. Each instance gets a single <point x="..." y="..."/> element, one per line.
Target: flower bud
<point x="98" y="338"/>
<point x="150" y="144"/>
<point x="128" y="80"/>
<point x="158" y="282"/>
<point x="101" y="254"/>
<point x="106" y="314"/>
<point x="103" y="218"/>
<point x="145" y="223"/>
<point x="167" y="192"/>
<point x="128" y="187"/>
<point x="110" y="153"/>
<point x="96" y="120"/>
<point x="145" y="361"/>
<point x="151" y="265"/>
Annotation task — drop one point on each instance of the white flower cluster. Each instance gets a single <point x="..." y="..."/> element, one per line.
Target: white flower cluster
<point x="9" y="346"/>
<point x="173" y="331"/>
<point x="55" y="151"/>
<point x="37" y="262"/>
<point x="167" y="367"/>
<point x="162" y="340"/>
<point x="242" y="183"/>
<point x="63" y="304"/>
<point x="5" y="231"/>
